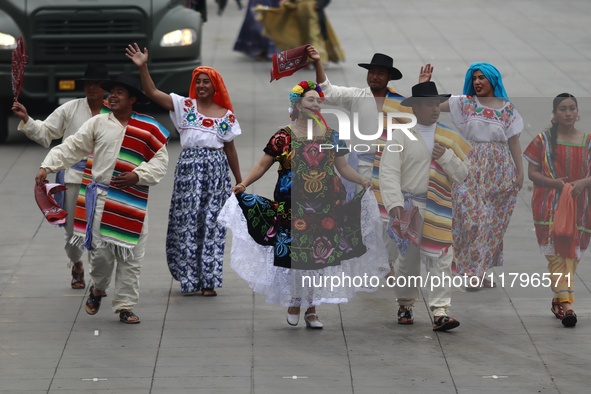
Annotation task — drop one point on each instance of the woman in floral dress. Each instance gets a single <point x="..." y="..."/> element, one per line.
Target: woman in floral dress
<point x="207" y="127"/>
<point x="560" y="161"/>
<point x="483" y="203"/>
<point x="287" y="247"/>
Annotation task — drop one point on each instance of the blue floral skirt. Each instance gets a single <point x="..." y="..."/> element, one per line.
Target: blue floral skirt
<point x="195" y="241"/>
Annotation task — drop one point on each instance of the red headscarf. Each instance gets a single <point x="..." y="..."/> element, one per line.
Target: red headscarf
<point x="221" y="96"/>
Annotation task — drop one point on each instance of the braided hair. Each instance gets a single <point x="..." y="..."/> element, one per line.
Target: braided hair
<point x="554" y="128"/>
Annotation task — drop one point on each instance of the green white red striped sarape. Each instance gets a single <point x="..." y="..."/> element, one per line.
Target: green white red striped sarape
<point x="125" y="209"/>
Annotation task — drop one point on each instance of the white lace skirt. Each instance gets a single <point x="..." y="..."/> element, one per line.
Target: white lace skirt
<point x="305" y="288"/>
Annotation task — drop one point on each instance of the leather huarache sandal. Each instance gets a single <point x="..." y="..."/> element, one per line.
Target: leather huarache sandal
<point x="77" y="282"/>
<point x="209" y="292"/>
<point x="128" y="317"/>
<point x="557" y="310"/>
<point x="93" y="303"/>
<point x="444" y="323"/>
<point x="405" y="315"/>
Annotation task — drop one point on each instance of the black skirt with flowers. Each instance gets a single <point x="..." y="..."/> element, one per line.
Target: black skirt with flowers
<point x="309" y="224"/>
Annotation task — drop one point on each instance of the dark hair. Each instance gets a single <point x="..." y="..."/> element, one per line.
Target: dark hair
<point x="295" y="98"/>
<point x="554" y="128"/>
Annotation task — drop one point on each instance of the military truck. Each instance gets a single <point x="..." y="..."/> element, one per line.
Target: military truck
<point x="62" y="36"/>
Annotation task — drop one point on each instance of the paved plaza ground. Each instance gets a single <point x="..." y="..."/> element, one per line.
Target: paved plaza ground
<point x="508" y="341"/>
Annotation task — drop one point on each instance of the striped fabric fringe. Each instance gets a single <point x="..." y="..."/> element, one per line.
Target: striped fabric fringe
<point x="437" y="235"/>
<point x="125" y="209"/>
<point x="391" y="104"/>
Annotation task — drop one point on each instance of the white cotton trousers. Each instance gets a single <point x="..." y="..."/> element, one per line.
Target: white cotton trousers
<point x="74" y="252"/>
<point x="408" y="270"/>
<point x="104" y="260"/>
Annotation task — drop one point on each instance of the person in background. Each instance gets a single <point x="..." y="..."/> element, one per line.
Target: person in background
<point x="559" y="165"/>
<point x="250" y="40"/>
<point x="62" y="123"/>
<point x="301" y="22"/>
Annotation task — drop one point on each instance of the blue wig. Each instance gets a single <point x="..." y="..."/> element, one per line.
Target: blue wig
<point x="491" y="73"/>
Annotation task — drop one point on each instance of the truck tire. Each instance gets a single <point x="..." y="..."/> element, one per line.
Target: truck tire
<point x="4" y="112"/>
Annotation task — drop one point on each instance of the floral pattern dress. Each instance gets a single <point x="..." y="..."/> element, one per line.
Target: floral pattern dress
<point x="483" y="203"/>
<point x="195" y="242"/>
<point x="307" y="230"/>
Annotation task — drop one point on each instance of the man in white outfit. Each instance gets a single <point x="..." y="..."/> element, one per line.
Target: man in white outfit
<point x="62" y="123"/>
<point x="368" y="103"/>
<point x="129" y="155"/>
<point x="421" y="176"/>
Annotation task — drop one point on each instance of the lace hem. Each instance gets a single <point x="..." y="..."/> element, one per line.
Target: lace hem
<point x="288" y="287"/>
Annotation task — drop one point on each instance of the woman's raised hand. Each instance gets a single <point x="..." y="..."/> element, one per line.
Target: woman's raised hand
<point x="134" y="53"/>
<point x="313" y="53"/>
<point x="426" y="73"/>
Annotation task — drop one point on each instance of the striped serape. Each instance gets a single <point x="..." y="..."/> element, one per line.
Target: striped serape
<point x="437" y="235"/>
<point x="125" y="209"/>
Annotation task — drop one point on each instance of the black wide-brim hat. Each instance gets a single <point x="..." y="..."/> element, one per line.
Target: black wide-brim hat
<point x="424" y="90"/>
<point x="129" y="82"/>
<point x="95" y="72"/>
<point x="381" y="60"/>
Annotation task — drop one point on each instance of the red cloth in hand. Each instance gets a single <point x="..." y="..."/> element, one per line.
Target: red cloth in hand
<point x="564" y="227"/>
<point x="50" y="208"/>
<point x="406" y="229"/>
<point x="288" y="62"/>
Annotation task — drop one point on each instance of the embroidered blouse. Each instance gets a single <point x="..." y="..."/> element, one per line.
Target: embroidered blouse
<point x="199" y="131"/>
<point x="477" y="122"/>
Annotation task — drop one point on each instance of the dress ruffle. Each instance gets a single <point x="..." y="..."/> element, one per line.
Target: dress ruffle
<point x="292" y="287"/>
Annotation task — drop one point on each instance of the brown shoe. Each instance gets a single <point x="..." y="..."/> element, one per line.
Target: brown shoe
<point x="444" y="323"/>
<point x="405" y="315"/>
<point x="78" y="282"/>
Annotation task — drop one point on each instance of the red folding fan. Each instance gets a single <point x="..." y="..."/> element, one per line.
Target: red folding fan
<point x="19" y="60"/>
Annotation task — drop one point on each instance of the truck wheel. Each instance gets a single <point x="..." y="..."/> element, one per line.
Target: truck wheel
<point x="4" y="109"/>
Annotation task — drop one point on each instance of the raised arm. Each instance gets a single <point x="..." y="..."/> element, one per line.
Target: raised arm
<point x="140" y="59"/>
<point x="315" y="57"/>
<point x="42" y="131"/>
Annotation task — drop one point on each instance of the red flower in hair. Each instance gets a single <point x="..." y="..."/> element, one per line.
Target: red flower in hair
<point x="321" y="94"/>
<point x="304" y="84"/>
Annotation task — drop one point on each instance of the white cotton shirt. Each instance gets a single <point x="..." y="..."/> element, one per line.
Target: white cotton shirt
<point x="408" y="170"/>
<point x="355" y="101"/>
<point x="199" y="131"/>
<point x="103" y="135"/>
<point x="477" y="122"/>
<point x="61" y="123"/>
<point x="428" y="134"/>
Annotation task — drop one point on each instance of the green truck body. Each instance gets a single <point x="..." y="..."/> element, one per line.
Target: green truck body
<point x="62" y="36"/>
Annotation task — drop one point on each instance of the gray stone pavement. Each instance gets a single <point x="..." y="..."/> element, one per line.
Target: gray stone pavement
<point x="508" y="341"/>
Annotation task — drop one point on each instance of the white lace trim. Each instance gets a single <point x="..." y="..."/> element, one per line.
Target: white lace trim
<point x="290" y="287"/>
